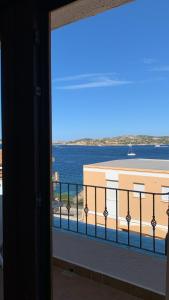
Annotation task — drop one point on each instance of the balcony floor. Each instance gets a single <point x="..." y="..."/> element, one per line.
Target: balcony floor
<point x="68" y="285"/>
<point x="142" y="271"/>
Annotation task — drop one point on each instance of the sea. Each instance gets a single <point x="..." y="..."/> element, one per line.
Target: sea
<point x="68" y="160"/>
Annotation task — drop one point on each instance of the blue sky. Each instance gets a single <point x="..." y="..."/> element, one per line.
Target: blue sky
<point x="110" y="73"/>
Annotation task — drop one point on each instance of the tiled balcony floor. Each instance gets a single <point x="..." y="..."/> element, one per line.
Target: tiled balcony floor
<point x="67" y="285"/>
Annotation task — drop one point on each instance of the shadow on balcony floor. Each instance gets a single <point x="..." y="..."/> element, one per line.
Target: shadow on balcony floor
<point x="68" y="285"/>
<point x="147" y="241"/>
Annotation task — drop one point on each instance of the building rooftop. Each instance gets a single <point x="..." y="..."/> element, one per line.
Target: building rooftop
<point x="134" y="164"/>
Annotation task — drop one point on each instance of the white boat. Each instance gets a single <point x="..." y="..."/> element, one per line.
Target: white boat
<point x="161" y="146"/>
<point x="130" y="151"/>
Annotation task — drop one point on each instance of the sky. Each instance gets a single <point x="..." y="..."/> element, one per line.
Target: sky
<point x="110" y="73"/>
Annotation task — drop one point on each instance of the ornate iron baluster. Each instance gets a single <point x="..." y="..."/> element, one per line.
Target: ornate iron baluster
<point x="86" y="210"/>
<point x="128" y="217"/>
<point x="60" y="203"/>
<point x="116" y="216"/>
<point x="140" y="220"/>
<point x="77" y="208"/>
<point x="95" y="197"/>
<point x="167" y="212"/>
<point x="166" y="238"/>
<point x="105" y="213"/>
<point x="68" y="206"/>
<point x="154" y="223"/>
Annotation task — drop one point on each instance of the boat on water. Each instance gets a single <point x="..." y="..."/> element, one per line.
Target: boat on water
<point x="130" y="151"/>
<point x="161" y="146"/>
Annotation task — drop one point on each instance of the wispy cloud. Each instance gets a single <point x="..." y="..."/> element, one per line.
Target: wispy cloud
<point x="83" y="76"/>
<point x="89" y="81"/>
<point x="96" y="84"/>
<point x="149" y="61"/>
<point x="164" y="68"/>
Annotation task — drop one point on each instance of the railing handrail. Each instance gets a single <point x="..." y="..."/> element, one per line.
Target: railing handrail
<point x="110" y="188"/>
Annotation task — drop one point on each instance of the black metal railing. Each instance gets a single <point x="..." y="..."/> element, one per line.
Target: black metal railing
<point x="128" y="217"/>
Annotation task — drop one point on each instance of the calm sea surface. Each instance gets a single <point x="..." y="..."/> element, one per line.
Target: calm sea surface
<point x="69" y="160"/>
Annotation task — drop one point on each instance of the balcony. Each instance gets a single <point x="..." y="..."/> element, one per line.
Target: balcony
<point x="102" y="247"/>
<point x="127" y="263"/>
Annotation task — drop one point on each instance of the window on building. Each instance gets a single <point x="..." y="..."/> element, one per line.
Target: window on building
<point x="140" y="187"/>
<point x="164" y="190"/>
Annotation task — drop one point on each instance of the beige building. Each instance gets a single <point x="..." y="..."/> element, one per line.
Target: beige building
<point x="133" y="183"/>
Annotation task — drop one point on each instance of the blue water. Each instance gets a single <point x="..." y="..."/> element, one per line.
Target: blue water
<point x="69" y="160"/>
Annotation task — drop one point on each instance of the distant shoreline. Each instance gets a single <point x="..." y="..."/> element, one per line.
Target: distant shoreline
<point x="123" y="140"/>
<point x="115" y="145"/>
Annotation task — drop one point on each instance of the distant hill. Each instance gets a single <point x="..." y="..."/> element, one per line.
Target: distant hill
<point x="123" y="140"/>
